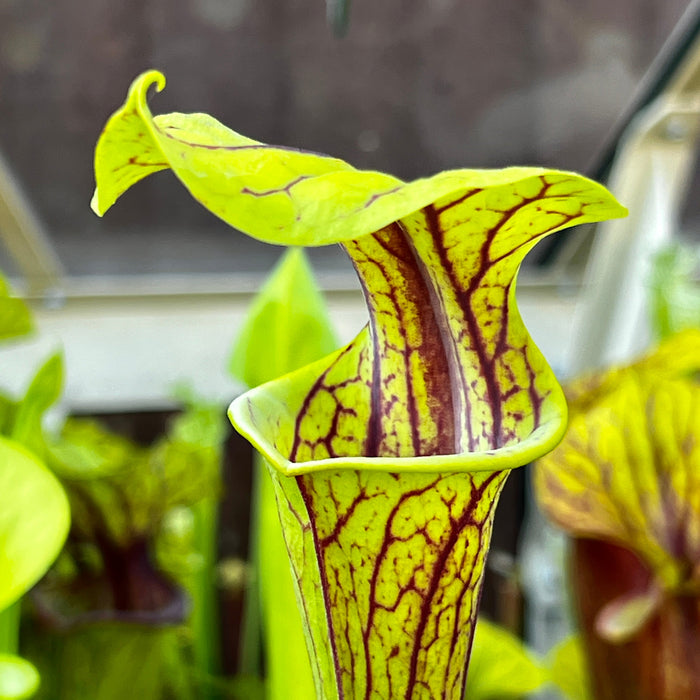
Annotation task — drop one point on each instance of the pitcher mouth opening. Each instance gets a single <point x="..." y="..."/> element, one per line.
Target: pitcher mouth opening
<point x="242" y="414"/>
<point x="172" y="609"/>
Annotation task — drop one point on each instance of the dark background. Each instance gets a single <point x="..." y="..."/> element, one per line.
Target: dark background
<point x="415" y="87"/>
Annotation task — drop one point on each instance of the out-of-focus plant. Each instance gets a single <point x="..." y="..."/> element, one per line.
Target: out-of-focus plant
<point x="15" y="316"/>
<point x="34" y="518"/>
<point x="675" y="290"/>
<point x="19" y="679"/>
<point x="116" y="598"/>
<point x="388" y="456"/>
<point x="568" y="669"/>
<point x="287" y="327"/>
<point x="196" y="439"/>
<point x="501" y="666"/>
<point x="625" y="483"/>
<point x="34" y="513"/>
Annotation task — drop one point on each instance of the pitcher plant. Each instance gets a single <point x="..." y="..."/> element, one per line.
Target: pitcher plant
<point x="388" y="456"/>
<point x="625" y="484"/>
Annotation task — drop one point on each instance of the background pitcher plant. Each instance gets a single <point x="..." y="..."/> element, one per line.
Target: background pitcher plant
<point x="625" y="484"/>
<point x="387" y="456"/>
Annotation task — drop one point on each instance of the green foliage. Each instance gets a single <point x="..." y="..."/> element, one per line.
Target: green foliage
<point x="287" y="325"/>
<point x="34" y="520"/>
<point x="675" y="285"/>
<point x="247" y="688"/>
<point x="568" y="669"/>
<point x="43" y="391"/>
<point x="9" y="628"/>
<point x="15" y="317"/>
<point x="34" y="514"/>
<point x="135" y="520"/>
<point x="122" y="490"/>
<point x="112" y="661"/>
<point x="22" y="419"/>
<point x="18" y="678"/>
<point x="197" y="436"/>
<point x="143" y="518"/>
<point x="501" y="666"/>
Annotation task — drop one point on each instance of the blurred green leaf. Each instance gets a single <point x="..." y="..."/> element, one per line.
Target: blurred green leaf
<point x="9" y="628"/>
<point x="129" y="499"/>
<point x="197" y="436"/>
<point x="112" y="661"/>
<point x="287" y="326"/>
<point x="201" y="424"/>
<point x="86" y="450"/>
<point x="34" y="520"/>
<point x="289" y="670"/>
<point x="175" y="546"/>
<point x="18" y="678"/>
<point x="189" y="456"/>
<point x="124" y="490"/>
<point x="501" y="666"/>
<point x="15" y="317"/>
<point x="568" y="670"/>
<point x="94" y="465"/>
<point x="246" y="688"/>
<point x="675" y="298"/>
<point x="8" y="410"/>
<point x="42" y="393"/>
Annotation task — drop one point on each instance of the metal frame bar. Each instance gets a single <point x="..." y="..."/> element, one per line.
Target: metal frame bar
<point x="23" y="234"/>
